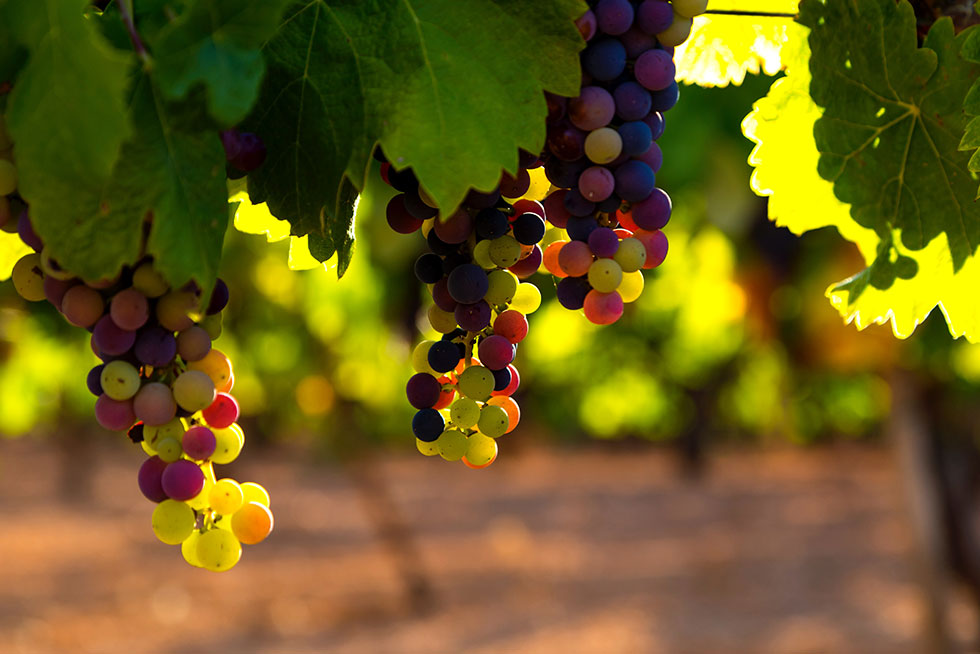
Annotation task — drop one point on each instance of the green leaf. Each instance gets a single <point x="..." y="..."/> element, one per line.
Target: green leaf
<point x="216" y="43"/>
<point x="67" y="116"/>
<point x="174" y="170"/>
<point x="723" y="48"/>
<point x="452" y="89"/>
<point x="891" y="124"/>
<point x="785" y="160"/>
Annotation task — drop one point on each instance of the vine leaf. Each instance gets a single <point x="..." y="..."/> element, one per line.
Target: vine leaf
<point x="450" y="88"/>
<point x="785" y="160"/>
<point x="892" y="123"/>
<point x="216" y="43"/>
<point x="67" y="116"/>
<point x="722" y="49"/>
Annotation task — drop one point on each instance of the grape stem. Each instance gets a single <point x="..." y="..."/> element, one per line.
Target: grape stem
<point x="468" y="341"/>
<point x="126" y="11"/>
<point x="761" y="14"/>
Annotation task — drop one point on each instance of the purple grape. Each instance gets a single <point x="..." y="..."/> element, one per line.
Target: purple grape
<point x="579" y="227"/>
<point x="55" y="289"/>
<point x="501" y="378"/>
<point x="231" y="143"/>
<point x="529" y="264"/>
<point x="438" y="245"/>
<point x="415" y="206"/>
<point x="653" y="157"/>
<point x="496" y="352"/>
<point x="467" y="283"/>
<point x="556" y="107"/>
<point x="654" y="69"/>
<point x="633" y="102"/>
<point x="577" y="204"/>
<point x="477" y="200"/>
<point x="428" y="425"/>
<point x="610" y="204"/>
<point x="604" y="59"/>
<point x="26" y="231"/>
<point x="665" y="99"/>
<point x="652" y="213"/>
<point x="150" y="479"/>
<point x="473" y="317"/>
<point x="399" y="219"/>
<point x="593" y="108"/>
<point x="182" y="480"/>
<point x="219" y="297"/>
<point x="654" y="16"/>
<point x="155" y="346"/>
<point x="515" y="187"/>
<point x="636" y="136"/>
<point x="428" y="268"/>
<point x="528" y="160"/>
<point x="441" y="295"/>
<point x="114" y="415"/>
<point x="614" y="16"/>
<point x="529" y="228"/>
<point x="443" y="356"/>
<point x="655" y="121"/>
<point x="251" y="153"/>
<point x="199" y="442"/>
<point x="634" y="181"/>
<point x="454" y="261"/>
<point x="571" y="292"/>
<point x="423" y="390"/>
<point x="112" y="339"/>
<point x="564" y="174"/>
<point x="94" y="380"/>
<point x="491" y="223"/>
<point x="587" y="25"/>
<point x="596" y="183"/>
<point x="566" y="141"/>
<point x="603" y="242"/>
<point x="636" y="42"/>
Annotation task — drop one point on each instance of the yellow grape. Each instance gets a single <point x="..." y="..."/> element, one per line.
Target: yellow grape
<point x="226" y="496"/>
<point x="255" y="493"/>
<point x="252" y="523"/>
<point x="218" y="550"/>
<point x="452" y="444"/>
<point x="172" y="521"/>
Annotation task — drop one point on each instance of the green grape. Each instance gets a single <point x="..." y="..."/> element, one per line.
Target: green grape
<point x="173" y="521"/>
<point x="631" y="287"/>
<point x="476" y="382"/>
<point x="175" y="310"/>
<point x="452" y="444"/>
<point x="255" y="493"/>
<point x="226" y="496"/>
<point x="527" y="299"/>
<point x="420" y="358"/>
<point x="149" y="282"/>
<point x="212" y="323"/>
<point x="194" y="390"/>
<point x="218" y="550"/>
<point x="441" y="321"/>
<point x="230" y="442"/>
<point x="605" y="275"/>
<point x="481" y="255"/>
<point x="189" y="548"/>
<point x="631" y="255"/>
<point x="175" y="429"/>
<point x="464" y="412"/>
<point x="168" y="449"/>
<point x="428" y="449"/>
<point x="27" y="276"/>
<point x="677" y="33"/>
<point x="501" y="289"/>
<point x="493" y="422"/>
<point x="480" y="449"/>
<point x="120" y="380"/>
<point x="505" y="251"/>
<point x="603" y="145"/>
<point x="8" y="177"/>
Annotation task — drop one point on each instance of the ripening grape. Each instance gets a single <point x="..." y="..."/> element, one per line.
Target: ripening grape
<point x="677" y="33"/>
<point x="129" y="309"/>
<point x="154" y="404"/>
<point x="193" y="343"/>
<point x="222" y="412"/>
<point x="193" y="390"/>
<point x="631" y="255"/>
<point x="149" y="282"/>
<point x="215" y="365"/>
<point x="182" y="480"/>
<point x="150" y="479"/>
<point x="603" y="145"/>
<point x="114" y="415"/>
<point x="172" y="521"/>
<point x="27" y="276"/>
<point x="603" y="308"/>
<point x="509" y="405"/>
<point x="199" y="442"/>
<point x="252" y="523"/>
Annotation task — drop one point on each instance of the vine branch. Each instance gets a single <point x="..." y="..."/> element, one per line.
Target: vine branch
<point x="126" y="11"/>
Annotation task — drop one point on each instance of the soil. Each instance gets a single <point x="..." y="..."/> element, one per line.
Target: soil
<point x="603" y="549"/>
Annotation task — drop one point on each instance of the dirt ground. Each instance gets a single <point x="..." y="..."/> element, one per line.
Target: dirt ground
<point x="593" y="550"/>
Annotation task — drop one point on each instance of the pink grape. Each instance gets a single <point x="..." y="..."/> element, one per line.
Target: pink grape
<point x="150" y="479"/>
<point x="222" y="412"/>
<point x="182" y="480"/>
<point x="199" y="442"/>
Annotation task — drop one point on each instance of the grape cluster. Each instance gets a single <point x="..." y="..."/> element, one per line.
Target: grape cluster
<point x="477" y="259"/>
<point x="163" y="383"/>
<point x="602" y="156"/>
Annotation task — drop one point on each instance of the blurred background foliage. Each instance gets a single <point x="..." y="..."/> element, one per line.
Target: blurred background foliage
<point x="732" y="339"/>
